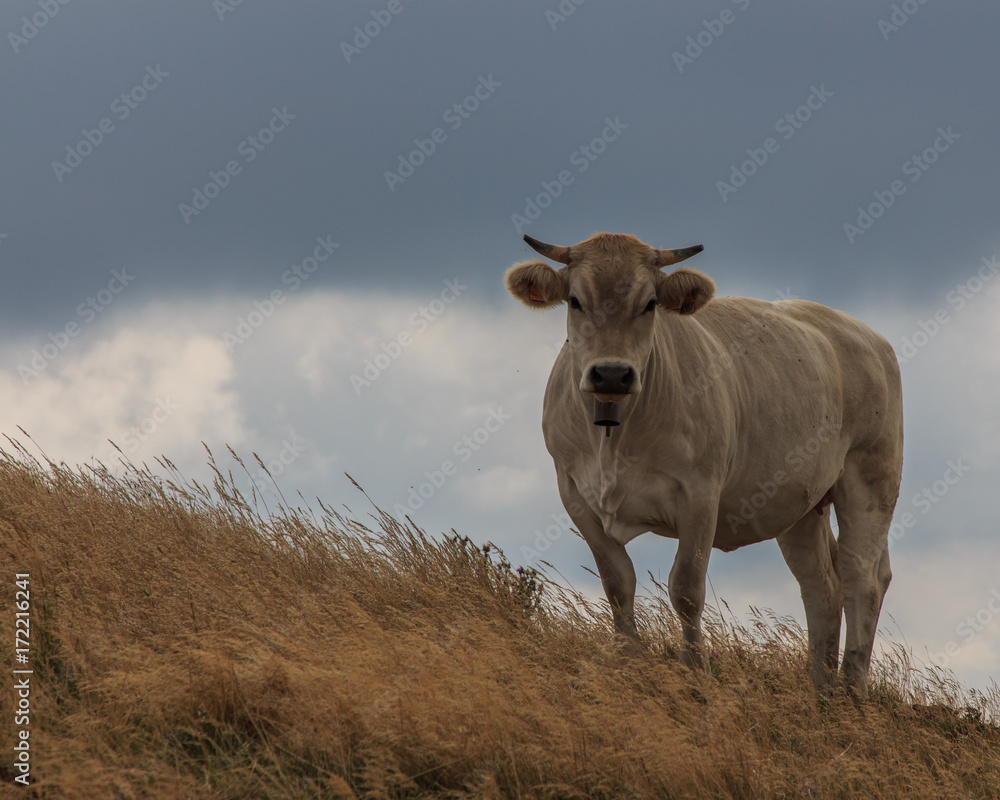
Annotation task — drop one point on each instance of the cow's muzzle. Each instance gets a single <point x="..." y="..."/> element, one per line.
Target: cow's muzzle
<point x="611" y="378"/>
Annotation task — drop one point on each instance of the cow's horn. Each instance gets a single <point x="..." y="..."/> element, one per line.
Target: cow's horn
<point x="556" y="253"/>
<point x="664" y="258"/>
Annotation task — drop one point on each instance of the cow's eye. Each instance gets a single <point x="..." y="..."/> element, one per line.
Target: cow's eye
<point x="574" y="303"/>
<point x="650" y="306"/>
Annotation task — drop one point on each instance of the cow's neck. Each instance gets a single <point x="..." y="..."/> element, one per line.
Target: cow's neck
<point x="619" y="453"/>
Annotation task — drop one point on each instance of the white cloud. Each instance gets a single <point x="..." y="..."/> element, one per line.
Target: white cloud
<point x="149" y="384"/>
<point x="951" y="370"/>
<point x="496" y="488"/>
<point x="951" y="600"/>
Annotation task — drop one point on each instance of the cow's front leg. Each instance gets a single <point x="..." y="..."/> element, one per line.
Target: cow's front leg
<point x="687" y="583"/>
<point x="618" y="579"/>
<point x="613" y="563"/>
<point x="616" y="571"/>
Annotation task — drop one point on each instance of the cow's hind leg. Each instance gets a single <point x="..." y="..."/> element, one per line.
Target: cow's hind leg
<point x="864" y="498"/>
<point x="810" y="550"/>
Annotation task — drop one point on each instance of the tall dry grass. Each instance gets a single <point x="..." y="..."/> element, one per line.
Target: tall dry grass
<point x="186" y="646"/>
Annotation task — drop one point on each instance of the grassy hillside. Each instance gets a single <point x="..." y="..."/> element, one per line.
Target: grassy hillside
<point x="186" y="647"/>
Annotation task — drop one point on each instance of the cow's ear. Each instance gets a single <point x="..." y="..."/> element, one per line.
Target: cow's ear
<point x="536" y="284"/>
<point x="684" y="290"/>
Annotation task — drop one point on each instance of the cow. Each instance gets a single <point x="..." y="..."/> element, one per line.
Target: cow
<point x="720" y="422"/>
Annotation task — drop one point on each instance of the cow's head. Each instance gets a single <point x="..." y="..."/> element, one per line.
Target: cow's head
<point x="615" y="287"/>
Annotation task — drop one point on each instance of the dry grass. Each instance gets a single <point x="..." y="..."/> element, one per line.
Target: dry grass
<point x="186" y="647"/>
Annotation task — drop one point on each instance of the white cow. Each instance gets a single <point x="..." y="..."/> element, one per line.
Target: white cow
<point x="721" y="422"/>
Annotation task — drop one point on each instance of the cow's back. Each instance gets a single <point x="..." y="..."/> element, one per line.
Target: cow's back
<point x="799" y="350"/>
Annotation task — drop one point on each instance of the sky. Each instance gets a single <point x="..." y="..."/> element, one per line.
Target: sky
<point x="284" y="228"/>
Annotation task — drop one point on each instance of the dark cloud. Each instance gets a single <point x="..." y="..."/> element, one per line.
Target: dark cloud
<point x="696" y="87"/>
